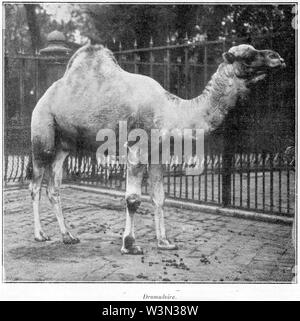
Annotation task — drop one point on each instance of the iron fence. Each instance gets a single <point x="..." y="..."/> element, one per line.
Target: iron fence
<point x="245" y="164"/>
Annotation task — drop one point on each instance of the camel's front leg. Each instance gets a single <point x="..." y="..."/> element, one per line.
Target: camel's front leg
<point x="158" y="197"/>
<point x="133" y="201"/>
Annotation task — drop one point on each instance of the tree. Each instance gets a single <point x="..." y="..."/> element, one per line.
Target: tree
<point x="34" y="27"/>
<point x="112" y="24"/>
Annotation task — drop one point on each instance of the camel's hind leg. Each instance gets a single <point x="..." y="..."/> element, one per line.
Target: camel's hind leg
<point x="54" y="183"/>
<point x="35" y="187"/>
<point x="158" y="197"/>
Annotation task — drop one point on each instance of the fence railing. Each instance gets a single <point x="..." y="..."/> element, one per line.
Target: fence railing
<point x="260" y="182"/>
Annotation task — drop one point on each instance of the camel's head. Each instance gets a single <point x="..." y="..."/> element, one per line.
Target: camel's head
<point x="251" y="64"/>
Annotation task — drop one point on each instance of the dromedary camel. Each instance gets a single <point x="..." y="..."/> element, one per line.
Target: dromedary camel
<point x="96" y="93"/>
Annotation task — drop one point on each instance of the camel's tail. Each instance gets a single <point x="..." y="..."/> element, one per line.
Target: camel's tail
<point x="29" y="169"/>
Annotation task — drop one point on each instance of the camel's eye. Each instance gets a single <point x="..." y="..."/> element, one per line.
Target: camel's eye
<point x="249" y="59"/>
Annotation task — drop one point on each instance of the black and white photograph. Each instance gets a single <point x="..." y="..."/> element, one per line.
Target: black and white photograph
<point x="150" y="143"/>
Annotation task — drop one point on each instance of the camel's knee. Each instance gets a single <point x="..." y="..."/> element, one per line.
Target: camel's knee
<point x="133" y="201"/>
<point x="35" y="188"/>
<point x="53" y="195"/>
<point x="158" y="197"/>
<point x="35" y="193"/>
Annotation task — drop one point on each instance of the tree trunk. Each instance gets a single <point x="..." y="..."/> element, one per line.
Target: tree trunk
<point x="34" y="28"/>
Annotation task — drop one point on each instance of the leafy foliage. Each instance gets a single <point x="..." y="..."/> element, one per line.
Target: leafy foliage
<point x="112" y="24"/>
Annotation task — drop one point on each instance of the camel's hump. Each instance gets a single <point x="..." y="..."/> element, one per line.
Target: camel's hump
<point x="91" y="52"/>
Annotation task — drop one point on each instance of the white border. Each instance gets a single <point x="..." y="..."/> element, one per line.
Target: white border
<point x="121" y="291"/>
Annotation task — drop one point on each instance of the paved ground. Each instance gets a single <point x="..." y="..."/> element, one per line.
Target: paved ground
<point x="212" y="248"/>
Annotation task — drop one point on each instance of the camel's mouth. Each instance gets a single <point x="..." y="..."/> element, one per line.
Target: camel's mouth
<point x="277" y="66"/>
<point x="275" y="62"/>
<point x="274" y="66"/>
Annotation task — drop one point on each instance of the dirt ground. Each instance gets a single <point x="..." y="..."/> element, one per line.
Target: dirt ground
<point x="212" y="248"/>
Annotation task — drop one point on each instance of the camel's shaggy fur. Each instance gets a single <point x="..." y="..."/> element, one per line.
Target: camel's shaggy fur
<point x="96" y="93"/>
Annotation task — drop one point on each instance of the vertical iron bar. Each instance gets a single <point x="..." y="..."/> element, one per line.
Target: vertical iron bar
<point x="22" y="168"/>
<point x="212" y="178"/>
<point x="288" y="187"/>
<point x="186" y="186"/>
<point x="151" y="59"/>
<point x="12" y="167"/>
<point x="205" y="178"/>
<point x="205" y="63"/>
<point x="279" y="181"/>
<point x="6" y="166"/>
<point x="263" y="172"/>
<point x="37" y="84"/>
<point x="193" y="187"/>
<point x="227" y="164"/>
<point x="120" y="55"/>
<point x="174" y="180"/>
<point x="219" y="178"/>
<point x="186" y="70"/>
<point x="256" y="170"/>
<point x="233" y="181"/>
<point x="248" y="180"/>
<point x="168" y="65"/>
<point x="169" y="174"/>
<point x="180" y="180"/>
<point x="199" y="188"/>
<point x="16" y="168"/>
<point x="135" y="57"/>
<point x="241" y="179"/>
<point x="271" y="183"/>
<point x="22" y="89"/>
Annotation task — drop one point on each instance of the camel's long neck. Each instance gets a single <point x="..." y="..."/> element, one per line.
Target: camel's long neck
<point x="208" y="110"/>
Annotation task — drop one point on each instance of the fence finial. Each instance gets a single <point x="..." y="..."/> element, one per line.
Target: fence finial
<point x="151" y="42"/>
<point x="168" y="40"/>
<point x="186" y="37"/>
<point x="135" y="44"/>
<point x="120" y="46"/>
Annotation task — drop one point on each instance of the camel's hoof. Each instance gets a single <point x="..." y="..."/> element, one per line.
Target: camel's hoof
<point x="42" y="237"/>
<point x="68" y="238"/>
<point x="134" y="250"/>
<point x="166" y="245"/>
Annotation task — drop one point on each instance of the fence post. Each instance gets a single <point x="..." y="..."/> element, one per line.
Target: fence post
<point x="186" y="66"/>
<point x="227" y="164"/>
<point x="227" y="156"/>
<point x="56" y="50"/>
<point x="168" y="65"/>
<point x="205" y="63"/>
<point x="151" y="58"/>
<point x="136" y="68"/>
<point x="22" y="89"/>
<point x="120" y="56"/>
<point x="36" y="78"/>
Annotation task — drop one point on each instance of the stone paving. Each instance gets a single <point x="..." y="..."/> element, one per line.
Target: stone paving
<point x="212" y="248"/>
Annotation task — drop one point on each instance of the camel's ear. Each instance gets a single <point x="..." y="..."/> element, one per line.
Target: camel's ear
<point x="228" y="57"/>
